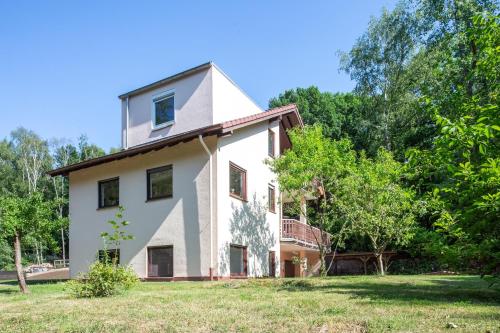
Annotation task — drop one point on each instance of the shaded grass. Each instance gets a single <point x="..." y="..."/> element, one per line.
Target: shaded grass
<point x="340" y="304"/>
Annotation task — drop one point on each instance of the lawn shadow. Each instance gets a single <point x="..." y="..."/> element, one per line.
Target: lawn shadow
<point x="432" y="290"/>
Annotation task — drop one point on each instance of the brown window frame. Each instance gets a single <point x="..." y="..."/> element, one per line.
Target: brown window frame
<point x="148" y="180"/>
<point x="99" y="194"/>
<point x="271" y="136"/>
<point x="243" y="197"/>
<point x="271" y="198"/>
<point x="245" y="261"/>
<point x="272" y="263"/>
<point x="150" y="259"/>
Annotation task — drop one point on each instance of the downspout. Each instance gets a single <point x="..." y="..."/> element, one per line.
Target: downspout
<point x="210" y="186"/>
<point x="126" y="123"/>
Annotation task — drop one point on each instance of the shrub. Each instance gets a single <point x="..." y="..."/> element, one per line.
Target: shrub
<point x="103" y="279"/>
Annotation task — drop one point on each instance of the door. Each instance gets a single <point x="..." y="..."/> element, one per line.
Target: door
<point x="289" y="268"/>
<point x="160" y="261"/>
<point x="272" y="264"/>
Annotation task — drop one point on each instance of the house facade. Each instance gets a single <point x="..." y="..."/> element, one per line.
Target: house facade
<point x="201" y="202"/>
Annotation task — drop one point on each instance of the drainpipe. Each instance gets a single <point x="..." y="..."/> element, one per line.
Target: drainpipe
<point x="126" y="123"/>
<point x="210" y="186"/>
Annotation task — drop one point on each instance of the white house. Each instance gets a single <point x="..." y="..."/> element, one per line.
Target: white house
<point x="201" y="202"/>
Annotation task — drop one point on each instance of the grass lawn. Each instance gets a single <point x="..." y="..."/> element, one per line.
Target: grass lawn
<point x="340" y="304"/>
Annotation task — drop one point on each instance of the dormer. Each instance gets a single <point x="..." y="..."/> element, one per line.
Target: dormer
<point x="195" y="98"/>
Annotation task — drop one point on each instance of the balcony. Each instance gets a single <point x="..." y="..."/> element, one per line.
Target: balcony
<point x="302" y="234"/>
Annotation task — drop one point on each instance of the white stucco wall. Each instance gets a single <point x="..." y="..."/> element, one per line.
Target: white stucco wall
<point x="247" y="223"/>
<point x="229" y="101"/>
<point x="201" y="99"/>
<point x="193" y="109"/>
<point x="181" y="221"/>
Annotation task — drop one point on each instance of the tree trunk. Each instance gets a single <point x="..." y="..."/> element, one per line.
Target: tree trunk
<point x="380" y="264"/>
<point x="19" y="266"/>
<point x="322" y="267"/>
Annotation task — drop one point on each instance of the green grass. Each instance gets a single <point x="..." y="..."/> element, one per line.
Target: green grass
<point x="341" y="304"/>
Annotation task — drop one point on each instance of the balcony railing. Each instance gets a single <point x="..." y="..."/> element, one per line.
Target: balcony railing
<point x="303" y="234"/>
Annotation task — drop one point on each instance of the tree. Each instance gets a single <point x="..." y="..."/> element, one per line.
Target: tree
<point x="376" y="203"/>
<point x="465" y="163"/>
<point x="382" y="64"/>
<point x="315" y="167"/>
<point x="87" y="150"/>
<point x="315" y="107"/>
<point x="22" y="217"/>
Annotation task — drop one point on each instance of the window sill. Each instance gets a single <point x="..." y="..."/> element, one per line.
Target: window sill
<point x="107" y="207"/>
<point x="237" y="197"/>
<point x="162" y="126"/>
<point x="238" y="276"/>
<point x="272" y="211"/>
<point x="159" y="198"/>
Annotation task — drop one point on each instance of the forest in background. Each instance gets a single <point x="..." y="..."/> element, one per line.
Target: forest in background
<point x="426" y="77"/>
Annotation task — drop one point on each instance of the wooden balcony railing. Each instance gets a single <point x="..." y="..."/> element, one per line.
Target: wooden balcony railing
<point x="302" y="233"/>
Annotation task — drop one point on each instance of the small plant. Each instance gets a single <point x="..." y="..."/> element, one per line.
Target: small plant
<point x="102" y="280"/>
<point x="107" y="277"/>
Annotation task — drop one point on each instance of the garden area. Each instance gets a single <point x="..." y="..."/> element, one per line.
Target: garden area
<point x="419" y="303"/>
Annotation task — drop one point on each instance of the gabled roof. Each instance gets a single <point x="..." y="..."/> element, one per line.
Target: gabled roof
<point x="288" y="114"/>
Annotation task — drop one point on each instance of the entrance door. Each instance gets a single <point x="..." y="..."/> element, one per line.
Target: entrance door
<point x="160" y="261"/>
<point x="289" y="268"/>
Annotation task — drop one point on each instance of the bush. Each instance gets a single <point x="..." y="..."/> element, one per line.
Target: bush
<point x="102" y="280"/>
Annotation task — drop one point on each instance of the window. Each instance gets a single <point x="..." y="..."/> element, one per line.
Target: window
<point x="109" y="193"/>
<point x="160" y="183"/>
<point x="237" y="182"/>
<point x="272" y="263"/>
<point x="270" y="143"/>
<point x="110" y="255"/>
<point x="271" y="199"/>
<point x="161" y="261"/>
<point x="238" y="260"/>
<point x="163" y="109"/>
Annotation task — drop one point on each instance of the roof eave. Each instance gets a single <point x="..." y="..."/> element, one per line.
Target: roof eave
<point x="166" y="80"/>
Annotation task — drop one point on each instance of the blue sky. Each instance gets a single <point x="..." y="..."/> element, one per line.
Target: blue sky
<point x="63" y="63"/>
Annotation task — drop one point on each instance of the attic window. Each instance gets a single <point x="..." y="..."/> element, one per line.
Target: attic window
<point x="163" y="109"/>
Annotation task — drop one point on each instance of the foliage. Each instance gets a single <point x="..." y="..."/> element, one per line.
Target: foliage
<point x="315" y="167"/>
<point x="464" y="164"/>
<point x="377" y="204"/>
<point x="102" y="280"/>
<point x="6" y="262"/>
<point x="117" y="235"/>
<point x="382" y="62"/>
<point x="354" y="194"/>
<point x="25" y="216"/>
<point x="318" y="107"/>
<point x="107" y="277"/>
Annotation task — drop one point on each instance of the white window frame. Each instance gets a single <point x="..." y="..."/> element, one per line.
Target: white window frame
<point x="156" y="98"/>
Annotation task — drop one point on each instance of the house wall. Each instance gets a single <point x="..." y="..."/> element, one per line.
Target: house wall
<point x="193" y="109"/>
<point x="247" y="223"/>
<point x="229" y="101"/>
<point x="181" y="221"/>
<point x="201" y="99"/>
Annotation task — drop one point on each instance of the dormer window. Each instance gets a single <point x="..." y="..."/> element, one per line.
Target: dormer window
<point x="163" y="109"/>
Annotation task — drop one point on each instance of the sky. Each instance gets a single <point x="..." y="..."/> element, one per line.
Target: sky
<point x="63" y="63"/>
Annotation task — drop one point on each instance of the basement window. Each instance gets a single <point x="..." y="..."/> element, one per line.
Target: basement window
<point x="238" y="260"/>
<point x="109" y="256"/>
